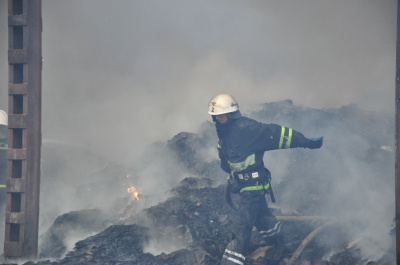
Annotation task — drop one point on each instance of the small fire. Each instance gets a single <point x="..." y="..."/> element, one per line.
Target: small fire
<point x="134" y="192"/>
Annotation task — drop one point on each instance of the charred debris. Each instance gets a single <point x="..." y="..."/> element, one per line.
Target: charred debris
<point x="333" y="209"/>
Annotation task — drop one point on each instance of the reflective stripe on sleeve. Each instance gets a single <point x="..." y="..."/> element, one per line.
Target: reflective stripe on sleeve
<point x="285" y="140"/>
<point x="289" y="139"/>
<point x="2" y="186"/>
<point x="281" y="138"/>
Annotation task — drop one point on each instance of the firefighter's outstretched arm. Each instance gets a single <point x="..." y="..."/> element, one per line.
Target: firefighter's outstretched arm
<point x="283" y="138"/>
<point x="314" y="143"/>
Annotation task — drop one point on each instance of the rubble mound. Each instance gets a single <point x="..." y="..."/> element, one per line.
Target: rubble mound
<point x="72" y="225"/>
<point x="335" y="203"/>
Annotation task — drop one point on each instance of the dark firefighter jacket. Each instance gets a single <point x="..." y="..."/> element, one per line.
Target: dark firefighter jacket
<point x="243" y="141"/>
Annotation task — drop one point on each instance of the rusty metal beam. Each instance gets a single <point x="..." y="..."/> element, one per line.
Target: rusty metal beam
<point x="24" y="129"/>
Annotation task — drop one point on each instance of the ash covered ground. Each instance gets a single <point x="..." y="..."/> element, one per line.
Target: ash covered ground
<point x="182" y="217"/>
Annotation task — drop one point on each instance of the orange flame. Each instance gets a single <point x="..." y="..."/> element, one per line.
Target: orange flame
<point x="134" y="192"/>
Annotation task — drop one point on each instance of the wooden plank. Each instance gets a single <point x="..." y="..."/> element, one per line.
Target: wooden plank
<point x="15" y="218"/>
<point x="17" y="20"/>
<point x="16" y="185"/>
<point x="13" y="249"/>
<point x="17" y="121"/>
<point x="17" y="56"/>
<point x="17" y="89"/>
<point x="16" y="154"/>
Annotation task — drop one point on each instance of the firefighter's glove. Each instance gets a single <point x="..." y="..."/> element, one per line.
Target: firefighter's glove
<point x="314" y="143"/>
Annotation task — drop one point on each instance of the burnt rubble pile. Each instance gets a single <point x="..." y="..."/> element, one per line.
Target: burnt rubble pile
<point x="196" y="217"/>
<point x="193" y="224"/>
<point x="76" y="222"/>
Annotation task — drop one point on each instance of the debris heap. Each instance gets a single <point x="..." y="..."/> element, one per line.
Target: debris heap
<point x="330" y="202"/>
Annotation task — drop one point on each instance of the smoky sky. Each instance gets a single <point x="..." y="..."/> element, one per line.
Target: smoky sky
<point x="118" y="75"/>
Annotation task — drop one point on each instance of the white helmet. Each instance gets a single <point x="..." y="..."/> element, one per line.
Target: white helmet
<point x="221" y="104"/>
<point x="3" y="118"/>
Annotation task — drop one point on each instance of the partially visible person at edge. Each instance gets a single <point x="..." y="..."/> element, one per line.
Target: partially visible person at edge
<point x="241" y="145"/>
<point x="3" y="168"/>
<point x="3" y="153"/>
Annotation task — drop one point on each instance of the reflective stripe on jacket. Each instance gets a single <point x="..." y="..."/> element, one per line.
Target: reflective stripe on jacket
<point x="243" y="141"/>
<point x="254" y="188"/>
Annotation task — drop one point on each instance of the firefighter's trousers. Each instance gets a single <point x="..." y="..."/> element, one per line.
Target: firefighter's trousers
<point x="253" y="211"/>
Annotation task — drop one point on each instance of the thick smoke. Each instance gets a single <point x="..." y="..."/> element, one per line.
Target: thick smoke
<point x="120" y="75"/>
<point x="350" y="179"/>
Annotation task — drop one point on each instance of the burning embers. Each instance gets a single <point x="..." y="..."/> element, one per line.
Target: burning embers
<point x="133" y="190"/>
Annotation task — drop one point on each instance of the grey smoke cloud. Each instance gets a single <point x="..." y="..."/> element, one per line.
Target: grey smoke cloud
<point x="118" y="75"/>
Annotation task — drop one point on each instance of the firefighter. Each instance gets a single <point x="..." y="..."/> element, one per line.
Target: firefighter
<point x="3" y="170"/>
<point x="3" y="153"/>
<point x="241" y="145"/>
